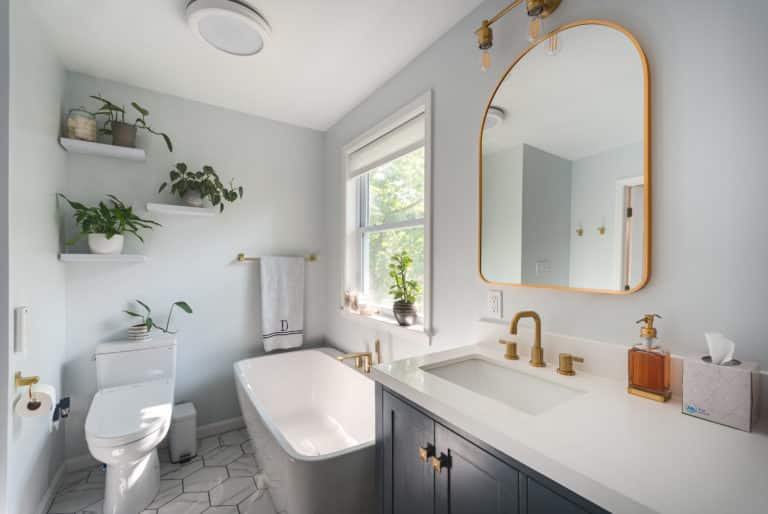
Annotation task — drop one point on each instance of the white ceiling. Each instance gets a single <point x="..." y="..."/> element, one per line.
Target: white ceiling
<point x="324" y="58"/>
<point x="580" y="102"/>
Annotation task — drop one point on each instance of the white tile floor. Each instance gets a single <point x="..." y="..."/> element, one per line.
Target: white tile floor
<point x="220" y="480"/>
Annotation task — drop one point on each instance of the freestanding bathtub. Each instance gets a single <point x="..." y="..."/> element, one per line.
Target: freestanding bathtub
<point x="311" y="422"/>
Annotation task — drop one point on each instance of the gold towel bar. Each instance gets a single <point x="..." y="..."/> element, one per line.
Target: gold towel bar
<point x="242" y="258"/>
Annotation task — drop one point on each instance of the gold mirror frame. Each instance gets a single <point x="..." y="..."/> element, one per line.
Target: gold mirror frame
<point x="646" y="166"/>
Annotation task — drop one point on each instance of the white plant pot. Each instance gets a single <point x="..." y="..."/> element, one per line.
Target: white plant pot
<point x="193" y="199"/>
<point x="138" y="333"/>
<point x="98" y="243"/>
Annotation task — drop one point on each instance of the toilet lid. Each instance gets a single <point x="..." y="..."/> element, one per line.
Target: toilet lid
<point x="124" y="414"/>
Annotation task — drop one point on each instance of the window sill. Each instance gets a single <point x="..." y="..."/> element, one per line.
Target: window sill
<point x="389" y="324"/>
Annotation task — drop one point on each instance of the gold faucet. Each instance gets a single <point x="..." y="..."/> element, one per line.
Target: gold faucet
<point x="566" y="364"/>
<point x="363" y="360"/>
<point x="537" y="352"/>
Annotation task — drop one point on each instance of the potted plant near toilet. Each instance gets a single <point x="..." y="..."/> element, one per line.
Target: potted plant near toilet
<point x="196" y="188"/>
<point x="141" y="331"/>
<point x="403" y="289"/>
<point x="106" y="225"/>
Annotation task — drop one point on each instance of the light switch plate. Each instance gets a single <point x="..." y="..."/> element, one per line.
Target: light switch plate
<point x="494" y="305"/>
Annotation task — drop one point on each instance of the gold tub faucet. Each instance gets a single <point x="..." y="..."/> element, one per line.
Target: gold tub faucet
<point x="363" y="360"/>
<point x="537" y="352"/>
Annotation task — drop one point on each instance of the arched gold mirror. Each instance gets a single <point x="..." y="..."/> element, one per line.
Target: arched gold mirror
<point x="565" y="172"/>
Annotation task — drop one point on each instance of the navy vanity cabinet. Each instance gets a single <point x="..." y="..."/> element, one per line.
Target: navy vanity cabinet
<point x="425" y="466"/>
<point x="472" y="481"/>
<point x="405" y="443"/>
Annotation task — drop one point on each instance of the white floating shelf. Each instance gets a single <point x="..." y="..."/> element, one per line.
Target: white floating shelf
<point x="95" y="257"/>
<point x="102" y="150"/>
<point x="181" y="210"/>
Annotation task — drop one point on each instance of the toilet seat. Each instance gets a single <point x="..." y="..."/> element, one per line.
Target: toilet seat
<point x="122" y="415"/>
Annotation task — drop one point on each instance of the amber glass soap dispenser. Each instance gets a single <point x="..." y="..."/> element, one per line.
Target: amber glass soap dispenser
<point x="649" y="364"/>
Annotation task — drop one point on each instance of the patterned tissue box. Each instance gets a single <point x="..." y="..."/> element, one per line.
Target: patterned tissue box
<point x="725" y="394"/>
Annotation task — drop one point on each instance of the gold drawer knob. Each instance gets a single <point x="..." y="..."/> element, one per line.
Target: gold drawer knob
<point x="425" y="452"/>
<point x="443" y="461"/>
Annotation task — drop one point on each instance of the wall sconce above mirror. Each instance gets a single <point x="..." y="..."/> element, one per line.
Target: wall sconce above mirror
<point x="564" y="147"/>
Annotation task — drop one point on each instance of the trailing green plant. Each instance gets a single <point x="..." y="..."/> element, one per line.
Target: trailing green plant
<point x="205" y="181"/>
<point x="402" y="289"/>
<point x="146" y="318"/>
<point x="116" y="114"/>
<point x="110" y="220"/>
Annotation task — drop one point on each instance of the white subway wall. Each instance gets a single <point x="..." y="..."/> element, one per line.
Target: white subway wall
<point x="193" y="259"/>
<point x="38" y="168"/>
<point x="709" y="154"/>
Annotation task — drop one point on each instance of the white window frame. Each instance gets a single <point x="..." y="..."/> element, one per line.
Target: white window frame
<point x="352" y="247"/>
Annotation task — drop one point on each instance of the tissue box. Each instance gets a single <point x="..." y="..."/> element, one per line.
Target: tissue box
<point x="725" y="394"/>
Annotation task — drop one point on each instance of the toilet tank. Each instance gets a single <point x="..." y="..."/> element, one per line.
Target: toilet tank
<point x="130" y="362"/>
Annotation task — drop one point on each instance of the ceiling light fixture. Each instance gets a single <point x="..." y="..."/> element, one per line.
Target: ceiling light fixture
<point x="494" y="118"/>
<point x="537" y="10"/>
<point x="228" y="25"/>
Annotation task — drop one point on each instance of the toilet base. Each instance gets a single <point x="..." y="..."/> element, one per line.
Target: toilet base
<point x="131" y="487"/>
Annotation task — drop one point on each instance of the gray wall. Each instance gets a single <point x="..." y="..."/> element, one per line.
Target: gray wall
<point x="503" y="215"/>
<point x="280" y="167"/>
<point x="546" y="218"/>
<point x="4" y="277"/>
<point x="593" y="204"/>
<point x="709" y="154"/>
<point x="37" y="280"/>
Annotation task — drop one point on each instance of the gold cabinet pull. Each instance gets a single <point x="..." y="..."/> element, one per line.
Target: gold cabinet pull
<point x="425" y="452"/>
<point x="443" y="461"/>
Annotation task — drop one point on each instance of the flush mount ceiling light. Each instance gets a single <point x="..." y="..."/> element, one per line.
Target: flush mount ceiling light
<point x="494" y="118"/>
<point x="228" y="25"/>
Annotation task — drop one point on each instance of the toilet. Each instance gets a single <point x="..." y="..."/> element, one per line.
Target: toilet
<point x="129" y="416"/>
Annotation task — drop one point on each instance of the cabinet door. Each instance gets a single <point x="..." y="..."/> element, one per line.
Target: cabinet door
<point x="472" y="481"/>
<point x="541" y="500"/>
<point x="407" y="478"/>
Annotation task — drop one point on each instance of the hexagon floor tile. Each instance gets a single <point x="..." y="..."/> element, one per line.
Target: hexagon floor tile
<point x="233" y="491"/>
<point x="219" y="481"/>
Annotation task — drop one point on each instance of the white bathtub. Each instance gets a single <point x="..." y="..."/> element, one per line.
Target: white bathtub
<point x="311" y="420"/>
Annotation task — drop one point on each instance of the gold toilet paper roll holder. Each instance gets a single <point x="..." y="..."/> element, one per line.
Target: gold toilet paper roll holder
<point x="22" y="381"/>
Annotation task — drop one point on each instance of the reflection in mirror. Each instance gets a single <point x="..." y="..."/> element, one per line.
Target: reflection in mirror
<point x="563" y="166"/>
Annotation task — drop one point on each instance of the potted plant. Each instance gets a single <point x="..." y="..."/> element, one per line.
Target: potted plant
<point x="105" y="225"/>
<point x="403" y="290"/>
<point x="122" y="132"/>
<point x="195" y="187"/>
<point x="140" y="331"/>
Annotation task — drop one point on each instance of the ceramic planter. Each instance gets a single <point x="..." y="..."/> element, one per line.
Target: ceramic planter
<point x="138" y="332"/>
<point x="123" y="134"/>
<point x="98" y="243"/>
<point x="405" y="313"/>
<point x="193" y="199"/>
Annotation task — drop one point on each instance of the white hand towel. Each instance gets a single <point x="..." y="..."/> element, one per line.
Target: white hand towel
<point x="282" y="302"/>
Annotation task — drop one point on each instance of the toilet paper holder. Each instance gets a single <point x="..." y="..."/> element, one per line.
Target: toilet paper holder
<point x="22" y="381"/>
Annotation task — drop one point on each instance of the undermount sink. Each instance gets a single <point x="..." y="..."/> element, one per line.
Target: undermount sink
<point x="521" y="391"/>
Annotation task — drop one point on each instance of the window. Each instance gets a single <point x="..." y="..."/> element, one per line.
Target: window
<point x="387" y="206"/>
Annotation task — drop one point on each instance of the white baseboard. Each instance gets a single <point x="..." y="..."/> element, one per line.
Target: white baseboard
<point x="47" y="499"/>
<point x="220" y="426"/>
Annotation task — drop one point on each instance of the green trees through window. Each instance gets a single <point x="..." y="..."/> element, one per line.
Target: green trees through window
<point x="392" y="220"/>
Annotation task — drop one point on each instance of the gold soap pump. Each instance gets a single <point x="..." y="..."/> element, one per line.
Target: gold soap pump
<point x="649" y="364"/>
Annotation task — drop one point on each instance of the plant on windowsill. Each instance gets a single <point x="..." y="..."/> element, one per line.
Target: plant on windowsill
<point x="106" y="225"/>
<point x="195" y="187"/>
<point x="140" y="331"/>
<point x="122" y="132"/>
<point x="403" y="290"/>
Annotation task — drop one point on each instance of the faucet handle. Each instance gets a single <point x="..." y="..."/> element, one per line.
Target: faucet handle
<point x="566" y="364"/>
<point x="511" y="350"/>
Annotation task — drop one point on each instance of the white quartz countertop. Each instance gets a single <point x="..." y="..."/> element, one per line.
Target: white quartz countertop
<point x="624" y="453"/>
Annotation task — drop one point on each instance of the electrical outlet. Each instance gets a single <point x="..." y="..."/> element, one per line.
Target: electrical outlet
<point x="493" y="309"/>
